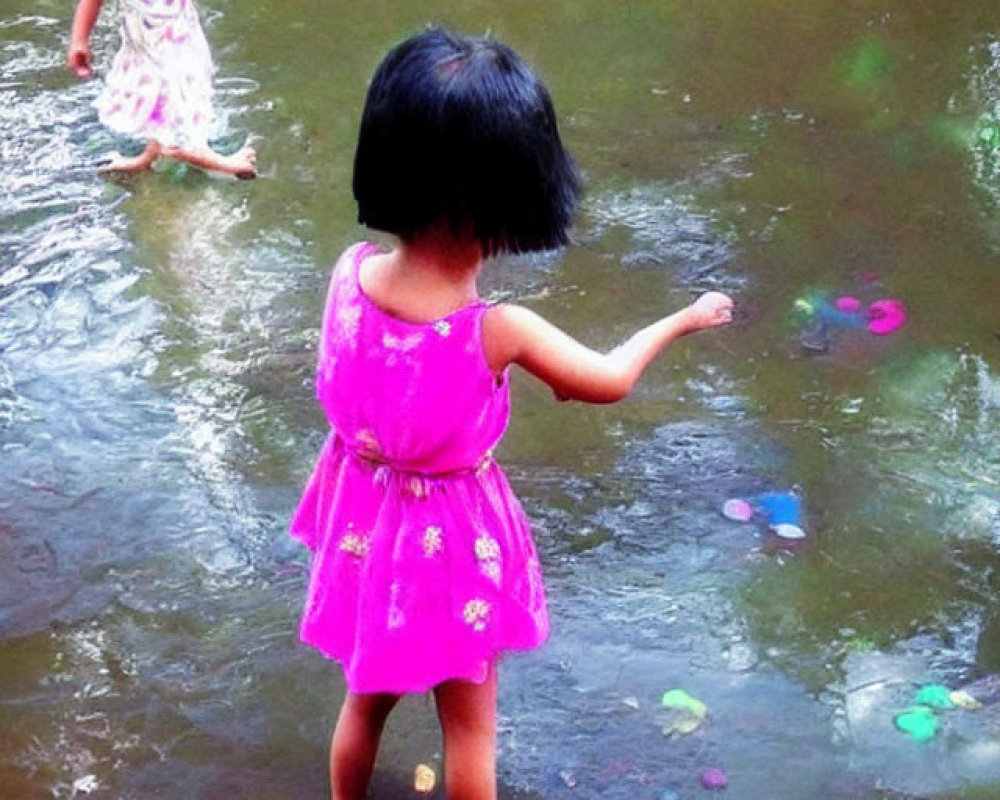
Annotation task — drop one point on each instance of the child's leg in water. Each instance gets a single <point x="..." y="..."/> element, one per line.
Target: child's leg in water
<point x="241" y="164"/>
<point x="139" y="163"/>
<point x="468" y="714"/>
<point x="355" y="743"/>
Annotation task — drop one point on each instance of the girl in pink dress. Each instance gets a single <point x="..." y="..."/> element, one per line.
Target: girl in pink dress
<point x="423" y="566"/>
<point x="159" y="88"/>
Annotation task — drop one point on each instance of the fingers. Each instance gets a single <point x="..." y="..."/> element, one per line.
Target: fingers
<point x="724" y="314"/>
<point x="714" y="308"/>
<point x="79" y="62"/>
<point x="717" y="298"/>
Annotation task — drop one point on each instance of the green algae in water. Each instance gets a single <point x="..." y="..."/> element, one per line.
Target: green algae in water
<point x="869" y="64"/>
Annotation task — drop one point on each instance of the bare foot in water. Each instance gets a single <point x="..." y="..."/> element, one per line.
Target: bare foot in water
<point x="242" y="164"/>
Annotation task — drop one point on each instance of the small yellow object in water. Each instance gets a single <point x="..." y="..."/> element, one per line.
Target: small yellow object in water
<point x="965" y="700"/>
<point x="424" y="779"/>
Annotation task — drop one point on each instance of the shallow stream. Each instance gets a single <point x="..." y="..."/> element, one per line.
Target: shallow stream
<point x="157" y="420"/>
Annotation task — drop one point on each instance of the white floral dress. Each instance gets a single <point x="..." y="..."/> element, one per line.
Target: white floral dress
<point x="160" y="83"/>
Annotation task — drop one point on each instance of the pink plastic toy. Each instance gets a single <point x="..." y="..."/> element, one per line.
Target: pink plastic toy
<point x="738" y="510"/>
<point x="885" y="316"/>
<point x="714" y="778"/>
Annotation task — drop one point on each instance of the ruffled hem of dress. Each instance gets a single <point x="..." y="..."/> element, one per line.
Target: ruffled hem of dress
<point x="303" y="537"/>
<point x="164" y="135"/>
<point x="476" y="673"/>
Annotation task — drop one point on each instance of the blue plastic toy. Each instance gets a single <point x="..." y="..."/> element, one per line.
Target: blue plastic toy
<point x="780" y="508"/>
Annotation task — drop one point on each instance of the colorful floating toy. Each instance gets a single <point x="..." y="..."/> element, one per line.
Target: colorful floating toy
<point x="849" y="305"/>
<point x="738" y="510"/>
<point x="935" y="695"/>
<point x="687" y="713"/>
<point x="817" y="313"/>
<point x="918" y="722"/>
<point x="714" y="778"/>
<point x="785" y="530"/>
<point x="682" y="701"/>
<point x="885" y="316"/>
<point x="781" y="510"/>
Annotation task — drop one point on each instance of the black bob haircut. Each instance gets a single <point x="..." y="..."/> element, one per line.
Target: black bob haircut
<point x="458" y="130"/>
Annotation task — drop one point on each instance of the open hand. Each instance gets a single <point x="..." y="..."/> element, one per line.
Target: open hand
<point x="78" y="60"/>
<point x="710" y="310"/>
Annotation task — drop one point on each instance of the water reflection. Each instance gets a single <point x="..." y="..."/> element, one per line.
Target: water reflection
<point x="983" y="139"/>
<point x="156" y="421"/>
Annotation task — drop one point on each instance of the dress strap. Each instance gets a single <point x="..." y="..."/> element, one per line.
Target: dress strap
<point x="361" y="251"/>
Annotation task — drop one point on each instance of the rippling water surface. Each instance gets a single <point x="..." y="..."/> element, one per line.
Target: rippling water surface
<point x="157" y="421"/>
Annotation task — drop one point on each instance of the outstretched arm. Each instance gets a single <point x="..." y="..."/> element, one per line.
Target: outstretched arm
<point x="78" y="57"/>
<point x="515" y="335"/>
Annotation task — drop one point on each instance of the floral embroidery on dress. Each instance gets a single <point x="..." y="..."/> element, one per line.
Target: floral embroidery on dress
<point x="419" y="487"/>
<point x="488" y="555"/>
<point x="403" y="343"/>
<point x="348" y="322"/>
<point x="432" y="541"/>
<point x="476" y="614"/>
<point x="487" y="548"/>
<point x="443" y="327"/>
<point x="399" y="348"/>
<point x="367" y="444"/>
<point x="484" y="462"/>
<point x="354" y="543"/>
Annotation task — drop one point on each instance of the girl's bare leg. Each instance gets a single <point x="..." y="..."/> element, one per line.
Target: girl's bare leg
<point x="355" y="743"/>
<point x="468" y="714"/>
<point x="139" y="163"/>
<point x="241" y="164"/>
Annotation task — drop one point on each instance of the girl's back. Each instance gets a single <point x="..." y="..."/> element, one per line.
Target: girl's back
<point x="418" y="396"/>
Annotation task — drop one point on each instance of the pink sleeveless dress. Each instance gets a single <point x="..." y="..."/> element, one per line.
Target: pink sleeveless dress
<point x="423" y="564"/>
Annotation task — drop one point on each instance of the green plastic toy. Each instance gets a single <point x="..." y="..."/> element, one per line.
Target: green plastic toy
<point x="682" y="701"/>
<point x="919" y="722"/>
<point x="936" y="696"/>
